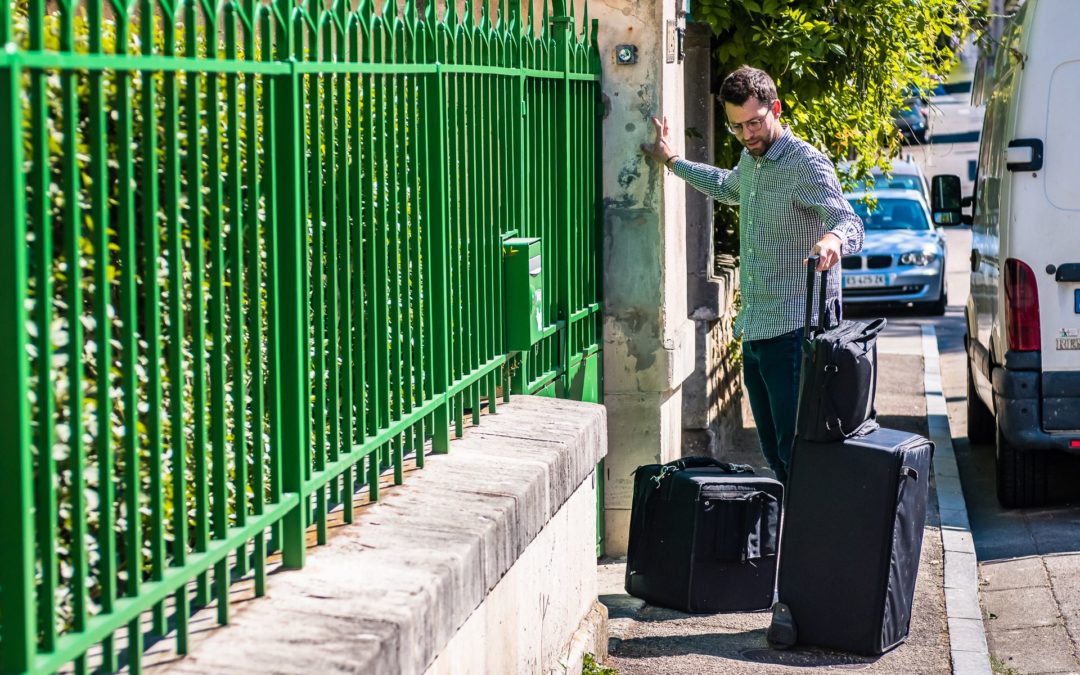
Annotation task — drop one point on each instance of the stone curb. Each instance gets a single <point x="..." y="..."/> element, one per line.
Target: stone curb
<point x="967" y="636"/>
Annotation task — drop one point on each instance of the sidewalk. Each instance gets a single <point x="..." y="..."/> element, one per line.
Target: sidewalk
<point x="651" y="640"/>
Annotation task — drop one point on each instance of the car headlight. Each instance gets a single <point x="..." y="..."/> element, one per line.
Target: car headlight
<point x="918" y="258"/>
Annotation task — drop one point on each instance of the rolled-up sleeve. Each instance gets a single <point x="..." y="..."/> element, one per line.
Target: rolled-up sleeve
<point x="819" y="190"/>
<point x="720" y="184"/>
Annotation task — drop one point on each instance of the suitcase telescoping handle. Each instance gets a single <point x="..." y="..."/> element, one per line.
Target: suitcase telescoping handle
<point x="811" y="274"/>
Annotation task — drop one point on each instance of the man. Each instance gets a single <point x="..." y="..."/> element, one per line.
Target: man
<point x="790" y="204"/>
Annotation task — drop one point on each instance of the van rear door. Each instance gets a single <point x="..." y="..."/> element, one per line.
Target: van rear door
<point x="1059" y="292"/>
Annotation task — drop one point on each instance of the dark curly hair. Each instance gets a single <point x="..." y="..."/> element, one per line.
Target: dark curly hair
<point x="745" y="82"/>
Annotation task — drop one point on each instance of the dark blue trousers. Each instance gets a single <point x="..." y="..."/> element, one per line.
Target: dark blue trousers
<point x="771" y="372"/>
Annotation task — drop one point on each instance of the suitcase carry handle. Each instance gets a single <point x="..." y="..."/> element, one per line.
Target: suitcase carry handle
<point x="699" y="462"/>
<point x="811" y="275"/>
<point x="696" y="462"/>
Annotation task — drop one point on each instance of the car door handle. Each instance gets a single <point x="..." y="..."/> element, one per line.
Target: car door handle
<point x="976" y="260"/>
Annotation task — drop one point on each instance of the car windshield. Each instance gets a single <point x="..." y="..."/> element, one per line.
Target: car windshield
<point x="908" y="182"/>
<point x="891" y="214"/>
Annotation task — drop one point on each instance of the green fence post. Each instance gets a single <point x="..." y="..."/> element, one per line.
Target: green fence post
<point x="18" y="623"/>
<point x="435" y="129"/>
<point x="291" y="246"/>
<point x="561" y="25"/>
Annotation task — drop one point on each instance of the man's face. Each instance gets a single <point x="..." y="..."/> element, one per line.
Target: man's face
<point x="755" y="123"/>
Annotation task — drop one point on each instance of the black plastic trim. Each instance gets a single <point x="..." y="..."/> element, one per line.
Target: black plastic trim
<point x="1068" y="272"/>
<point x="1018" y="404"/>
<point x="1022" y="360"/>
<point x="1036" y="162"/>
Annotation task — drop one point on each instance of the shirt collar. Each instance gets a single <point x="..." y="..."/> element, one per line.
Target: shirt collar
<point x="780" y="146"/>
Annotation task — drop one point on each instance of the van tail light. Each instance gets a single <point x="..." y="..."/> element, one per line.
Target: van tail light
<point x="1021" y="307"/>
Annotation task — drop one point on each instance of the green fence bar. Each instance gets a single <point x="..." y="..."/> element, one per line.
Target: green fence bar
<point x="257" y="273"/>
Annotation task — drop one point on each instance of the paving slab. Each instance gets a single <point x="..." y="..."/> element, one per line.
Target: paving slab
<point x="1033" y="651"/>
<point x="1019" y="608"/>
<point x="1000" y="575"/>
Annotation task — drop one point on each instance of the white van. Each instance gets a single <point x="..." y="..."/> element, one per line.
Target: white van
<point x="1023" y="316"/>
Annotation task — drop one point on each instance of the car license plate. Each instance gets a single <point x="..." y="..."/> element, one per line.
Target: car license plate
<point x="863" y="280"/>
<point x="1068" y="343"/>
<point x="1076" y="301"/>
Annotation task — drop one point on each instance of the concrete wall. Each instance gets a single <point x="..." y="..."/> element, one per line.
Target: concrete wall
<point x="528" y="621"/>
<point x="648" y="339"/>
<point x="482" y="562"/>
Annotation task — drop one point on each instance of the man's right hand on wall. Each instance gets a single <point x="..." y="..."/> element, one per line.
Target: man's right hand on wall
<point x="660" y="149"/>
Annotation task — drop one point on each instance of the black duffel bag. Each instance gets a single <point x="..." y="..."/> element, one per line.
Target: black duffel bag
<point x="838" y="382"/>
<point x="704" y="536"/>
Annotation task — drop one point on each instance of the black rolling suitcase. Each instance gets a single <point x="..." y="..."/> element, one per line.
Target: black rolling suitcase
<point x="839" y="372"/>
<point x="852" y="537"/>
<point x="703" y="536"/>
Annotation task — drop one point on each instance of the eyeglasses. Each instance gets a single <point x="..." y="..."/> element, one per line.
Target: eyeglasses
<point x="752" y="126"/>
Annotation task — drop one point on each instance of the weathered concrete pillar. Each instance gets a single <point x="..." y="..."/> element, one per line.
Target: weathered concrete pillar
<point x="648" y="339"/>
<point x="711" y="412"/>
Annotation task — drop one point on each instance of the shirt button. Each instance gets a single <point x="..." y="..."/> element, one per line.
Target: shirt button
<point x="752" y="194"/>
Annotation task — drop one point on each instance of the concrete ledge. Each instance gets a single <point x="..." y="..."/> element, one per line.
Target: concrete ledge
<point x="389" y="593"/>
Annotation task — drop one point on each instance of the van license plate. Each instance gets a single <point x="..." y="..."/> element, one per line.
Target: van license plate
<point x="1068" y="343"/>
<point x="864" y="281"/>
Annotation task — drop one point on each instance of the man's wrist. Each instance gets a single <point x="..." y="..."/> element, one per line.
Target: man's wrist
<point x="670" y="161"/>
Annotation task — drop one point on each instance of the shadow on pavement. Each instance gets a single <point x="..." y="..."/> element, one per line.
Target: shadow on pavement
<point x="1017" y="533"/>
<point x="746" y="645"/>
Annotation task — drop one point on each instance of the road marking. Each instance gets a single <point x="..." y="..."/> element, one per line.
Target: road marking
<point x="967" y="635"/>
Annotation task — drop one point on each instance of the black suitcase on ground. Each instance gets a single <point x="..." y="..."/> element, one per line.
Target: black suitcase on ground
<point x="703" y="536"/>
<point x="852" y="537"/>
<point x="839" y="372"/>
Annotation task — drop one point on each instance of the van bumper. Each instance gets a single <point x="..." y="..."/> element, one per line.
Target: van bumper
<point x="1019" y="402"/>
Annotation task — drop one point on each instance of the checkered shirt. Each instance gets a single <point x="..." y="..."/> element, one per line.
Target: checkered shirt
<point x="788" y="199"/>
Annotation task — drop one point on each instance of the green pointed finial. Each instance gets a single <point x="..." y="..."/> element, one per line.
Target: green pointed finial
<point x="585" y="23"/>
<point x="365" y="10"/>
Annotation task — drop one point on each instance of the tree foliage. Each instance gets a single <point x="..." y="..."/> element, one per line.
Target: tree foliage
<point x="841" y="66"/>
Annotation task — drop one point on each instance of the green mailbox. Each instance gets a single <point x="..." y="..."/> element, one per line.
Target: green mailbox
<point x="523" y="296"/>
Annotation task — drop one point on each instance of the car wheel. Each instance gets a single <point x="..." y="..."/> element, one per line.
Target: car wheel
<point x="980" y="420"/>
<point x="1021" y="475"/>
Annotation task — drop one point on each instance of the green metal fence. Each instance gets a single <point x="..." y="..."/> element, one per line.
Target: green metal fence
<point x="251" y="258"/>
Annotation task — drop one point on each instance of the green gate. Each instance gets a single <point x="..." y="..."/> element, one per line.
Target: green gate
<point x="252" y="262"/>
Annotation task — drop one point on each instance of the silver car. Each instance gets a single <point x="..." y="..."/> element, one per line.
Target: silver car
<point x="903" y="255"/>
